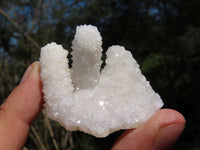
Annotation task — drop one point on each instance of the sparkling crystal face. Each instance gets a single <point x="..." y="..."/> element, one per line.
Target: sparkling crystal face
<point x="82" y="98"/>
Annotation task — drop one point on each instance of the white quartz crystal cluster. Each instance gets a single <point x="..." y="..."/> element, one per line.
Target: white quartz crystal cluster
<point x="83" y="98"/>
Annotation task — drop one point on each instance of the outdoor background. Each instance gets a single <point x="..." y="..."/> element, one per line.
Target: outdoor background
<point x="162" y="35"/>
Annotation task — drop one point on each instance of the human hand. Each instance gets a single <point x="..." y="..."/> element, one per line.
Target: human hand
<point x="25" y="102"/>
<point x="20" y="109"/>
<point x="160" y="132"/>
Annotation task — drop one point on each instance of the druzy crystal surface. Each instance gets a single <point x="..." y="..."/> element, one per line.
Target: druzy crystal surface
<point x="83" y="98"/>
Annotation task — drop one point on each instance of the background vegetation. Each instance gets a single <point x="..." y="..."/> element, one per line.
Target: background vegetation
<point x="163" y="36"/>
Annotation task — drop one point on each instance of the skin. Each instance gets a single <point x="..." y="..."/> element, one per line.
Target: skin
<point x="25" y="103"/>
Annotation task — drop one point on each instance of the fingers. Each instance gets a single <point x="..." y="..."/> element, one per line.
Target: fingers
<point x="20" y="109"/>
<point x="158" y="133"/>
<point x="25" y="101"/>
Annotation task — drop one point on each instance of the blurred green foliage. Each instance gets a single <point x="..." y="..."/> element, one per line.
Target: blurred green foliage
<point x="163" y="36"/>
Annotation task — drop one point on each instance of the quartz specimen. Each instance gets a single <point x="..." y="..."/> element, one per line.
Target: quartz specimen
<point x="83" y="98"/>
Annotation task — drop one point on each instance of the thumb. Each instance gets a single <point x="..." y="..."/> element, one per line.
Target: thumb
<point x="159" y="133"/>
<point x="20" y="109"/>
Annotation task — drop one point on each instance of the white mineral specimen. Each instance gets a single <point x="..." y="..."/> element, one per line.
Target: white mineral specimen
<point x="83" y="99"/>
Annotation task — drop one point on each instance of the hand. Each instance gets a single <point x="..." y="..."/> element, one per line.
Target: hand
<point x="25" y="102"/>
<point x="20" y="109"/>
<point x="159" y="133"/>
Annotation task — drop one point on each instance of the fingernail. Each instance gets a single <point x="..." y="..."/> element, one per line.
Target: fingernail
<point x="33" y="70"/>
<point x="167" y="136"/>
<point x="26" y="74"/>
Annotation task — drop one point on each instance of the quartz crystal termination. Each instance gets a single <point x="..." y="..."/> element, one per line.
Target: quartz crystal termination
<point x="83" y="99"/>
